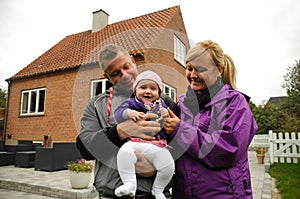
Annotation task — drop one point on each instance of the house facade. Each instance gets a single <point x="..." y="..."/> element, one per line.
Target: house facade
<point x="49" y="95"/>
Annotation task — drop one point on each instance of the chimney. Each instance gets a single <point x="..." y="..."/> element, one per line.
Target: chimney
<point x="100" y="20"/>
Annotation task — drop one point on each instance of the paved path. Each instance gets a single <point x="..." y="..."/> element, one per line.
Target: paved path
<point x="15" y="182"/>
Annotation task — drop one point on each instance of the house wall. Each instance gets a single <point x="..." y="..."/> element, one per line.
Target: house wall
<point x="171" y="72"/>
<point x="161" y="55"/>
<point x="68" y="92"/>
<point x="82" y="91"/>
<point x="57" y="120"/>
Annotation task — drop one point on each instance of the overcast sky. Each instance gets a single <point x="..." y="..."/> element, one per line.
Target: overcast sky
<point x="262" y="36"/>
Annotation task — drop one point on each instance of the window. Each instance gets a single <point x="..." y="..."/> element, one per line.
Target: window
<point x="170" y="91"/>
<point x="99" y="86"/>
<point x="179" y="51"/>
<point x="33" y="102"/>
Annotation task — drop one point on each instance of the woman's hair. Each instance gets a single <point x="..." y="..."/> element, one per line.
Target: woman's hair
<point x="219" y="58"/>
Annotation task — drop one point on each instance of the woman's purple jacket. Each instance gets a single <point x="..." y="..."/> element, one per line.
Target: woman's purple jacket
<point x="211" y="148"/>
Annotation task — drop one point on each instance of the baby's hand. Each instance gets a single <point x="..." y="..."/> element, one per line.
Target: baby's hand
<point x="164" y="112"/>
<point x="135" y="115"/>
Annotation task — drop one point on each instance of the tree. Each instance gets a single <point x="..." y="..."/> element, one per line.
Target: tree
<point x="2" y="98"/>
<point x="267" y="117"/>
<point x="292" y="86"/>
<point x="284" y="117"/>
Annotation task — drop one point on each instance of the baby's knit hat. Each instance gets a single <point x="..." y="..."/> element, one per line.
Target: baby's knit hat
<point x="150" y="75"/>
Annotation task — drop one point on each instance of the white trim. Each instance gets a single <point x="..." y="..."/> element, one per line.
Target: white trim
<point x="179" y="51"/>
<point x="171" y="90"/>
<point x="28" y="113"/>
<point x="93" y="90"/>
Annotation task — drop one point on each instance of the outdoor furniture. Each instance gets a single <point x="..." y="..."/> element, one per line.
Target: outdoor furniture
<point x="25" y="153"/>
<point x="25" y="159"/>
<point x="6" y="158"/>
<point x="2" y="145"/>
<point x="56" y="157"/>
<point x="21" y="145"/>
<point x="9" y="148"/>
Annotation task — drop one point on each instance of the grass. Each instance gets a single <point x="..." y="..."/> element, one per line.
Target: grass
<point x="287" y="179"/>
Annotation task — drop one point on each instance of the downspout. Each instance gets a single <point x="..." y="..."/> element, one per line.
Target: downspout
<point x="6" y="111"/>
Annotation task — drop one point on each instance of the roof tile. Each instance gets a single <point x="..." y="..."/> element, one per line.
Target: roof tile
<point x="82" y="48"/>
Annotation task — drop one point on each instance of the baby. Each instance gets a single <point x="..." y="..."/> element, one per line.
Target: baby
<point x="147" y="89"/>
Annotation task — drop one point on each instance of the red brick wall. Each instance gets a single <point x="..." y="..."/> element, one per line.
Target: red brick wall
<point x="171" y="72"/>
<point x="161" y="55"/>
<point x="57" y="120"/>
<point x="67" y="94"/>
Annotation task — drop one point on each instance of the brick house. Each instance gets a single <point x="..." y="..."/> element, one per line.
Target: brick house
<point x="49" y="95"/>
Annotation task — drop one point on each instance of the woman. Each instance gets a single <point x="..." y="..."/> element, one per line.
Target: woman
<point x="214" y="131"/>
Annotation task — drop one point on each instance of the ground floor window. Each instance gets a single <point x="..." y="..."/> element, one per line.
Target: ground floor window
<point x="169" y="91"/>
<point x="99" y="86"/>
<point x="33" y="102"/>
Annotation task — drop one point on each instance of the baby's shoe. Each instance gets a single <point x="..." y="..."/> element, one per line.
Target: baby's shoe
<point x="127" y="189"/>
<point x="158" y="195"/>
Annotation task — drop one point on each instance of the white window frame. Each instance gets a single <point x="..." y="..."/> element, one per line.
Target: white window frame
<point x="36" y="108"/>
<point x="94" y="85"/>
<point x="172" y="90"/>
<point x="179" y="51"/>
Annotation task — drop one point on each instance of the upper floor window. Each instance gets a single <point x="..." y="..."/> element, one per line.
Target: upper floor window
<point x="33" y="102"/>
<point x="179" y="51"/>
<point x="169" y="91"/>
<point x="99" y="86"/>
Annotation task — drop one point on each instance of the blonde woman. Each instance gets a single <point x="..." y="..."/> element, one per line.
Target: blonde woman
<point x="215" y="128"/>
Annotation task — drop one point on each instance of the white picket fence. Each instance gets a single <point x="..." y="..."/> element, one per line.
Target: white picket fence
<point x="282" y="147"/>
<point x="260" y="140"/>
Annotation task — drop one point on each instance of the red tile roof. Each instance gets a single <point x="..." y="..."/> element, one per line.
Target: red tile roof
<point x="134" y="34"/>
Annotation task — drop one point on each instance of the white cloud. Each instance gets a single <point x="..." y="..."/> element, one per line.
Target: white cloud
<point x="261" y="36"/>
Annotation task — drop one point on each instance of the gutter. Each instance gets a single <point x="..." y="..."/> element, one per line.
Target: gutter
<point x="6" y="111"/>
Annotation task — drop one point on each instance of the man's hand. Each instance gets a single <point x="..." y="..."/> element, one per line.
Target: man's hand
<point x="171" y="122"/>
<point x="139" y="129"/>
<point x="143" y="167"/>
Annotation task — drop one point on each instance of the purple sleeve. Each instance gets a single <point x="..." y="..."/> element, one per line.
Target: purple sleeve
<point x="220" y="137"/>
<point x="120" y="112"/>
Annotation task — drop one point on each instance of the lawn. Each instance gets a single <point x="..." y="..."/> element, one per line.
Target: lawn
<point x="287" y="179"/>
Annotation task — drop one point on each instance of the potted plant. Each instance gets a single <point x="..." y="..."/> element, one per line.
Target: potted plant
<point x="80" y="173"/>
<point x="47" y="141"/>
<point x="260" y="154"/>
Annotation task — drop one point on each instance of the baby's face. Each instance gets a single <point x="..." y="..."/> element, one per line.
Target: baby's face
<point x="147" y="91"/>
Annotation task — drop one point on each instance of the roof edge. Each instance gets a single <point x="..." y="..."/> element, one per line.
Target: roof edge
<point x="44" y="73"/>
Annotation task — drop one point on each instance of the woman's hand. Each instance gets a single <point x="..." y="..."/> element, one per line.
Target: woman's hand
<point x="171" y="122"/>
<point x="164" y="112"/>
<point x="143" y="167"/>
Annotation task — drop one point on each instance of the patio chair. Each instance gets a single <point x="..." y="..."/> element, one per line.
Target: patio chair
<point x="6" y="157"/>
<point x="56" y="157"/>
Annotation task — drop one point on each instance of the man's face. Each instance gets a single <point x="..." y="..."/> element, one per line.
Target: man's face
<point x="121" y="71"/>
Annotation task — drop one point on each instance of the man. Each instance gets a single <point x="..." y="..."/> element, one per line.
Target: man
<point x="102" y="136"/>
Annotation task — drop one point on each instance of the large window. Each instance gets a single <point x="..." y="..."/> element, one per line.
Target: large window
<point x="169" y="91"/>
<point x="33" y="102"/>
<point x="99" y="86"/>
<point x="179" y="51"/>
